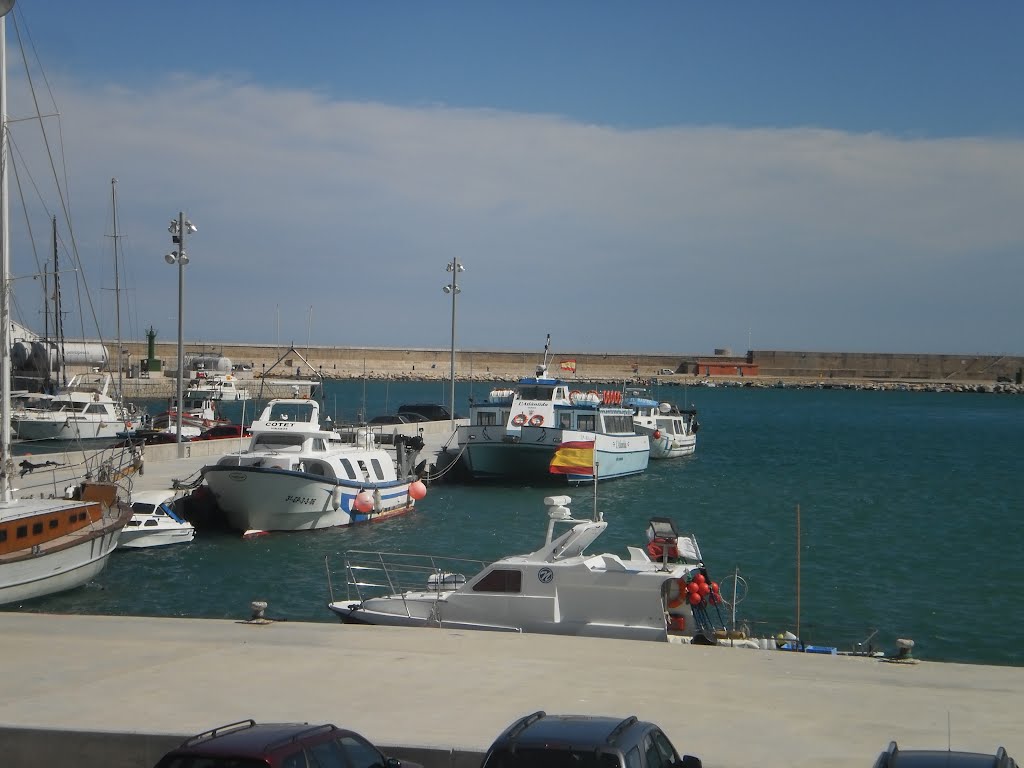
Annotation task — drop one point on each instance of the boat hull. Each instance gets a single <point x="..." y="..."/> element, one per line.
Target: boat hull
<point x="160" y="538"/>
<point x="67" y="429"/>
<point x="528" y="459"/>
<point x="57" y="568"/>
<point x="269" y="499"/>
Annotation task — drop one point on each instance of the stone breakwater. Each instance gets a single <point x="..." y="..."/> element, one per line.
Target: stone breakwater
<point x="757" y="368"/>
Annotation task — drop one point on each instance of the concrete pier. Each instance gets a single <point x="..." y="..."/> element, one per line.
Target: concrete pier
<point x="112" y="691"/>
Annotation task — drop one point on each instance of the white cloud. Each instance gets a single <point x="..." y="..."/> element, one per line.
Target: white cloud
<point x="675" y="239"/>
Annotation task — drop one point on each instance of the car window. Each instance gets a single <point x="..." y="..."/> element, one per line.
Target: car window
<point x="326" y="754"/>
<point x="668" y="752"/>
<point x="295" y="760"/>
<point x="360" y="753"/>
<point x="633" y="758"/>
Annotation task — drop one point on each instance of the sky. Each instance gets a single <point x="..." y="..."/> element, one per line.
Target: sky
<point x="653" y="177"/>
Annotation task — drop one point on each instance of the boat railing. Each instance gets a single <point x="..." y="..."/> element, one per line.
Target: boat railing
<point x="373" y="574"/>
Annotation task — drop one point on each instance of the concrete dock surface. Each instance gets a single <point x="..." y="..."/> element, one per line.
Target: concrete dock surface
<point x="77" y="687"/>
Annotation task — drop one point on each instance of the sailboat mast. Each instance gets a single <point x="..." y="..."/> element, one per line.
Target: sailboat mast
<point x="117" y="286"/>
<point x="6" y="460"/>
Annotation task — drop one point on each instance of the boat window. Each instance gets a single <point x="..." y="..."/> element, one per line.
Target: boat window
<point x="318" y="444"/>
<point x="21" y="532"/>
<point x="378" y="471"/>
<point x="500" y="580"/>
<point x="316" y="468"/>
<point x="618" y="425"/>
<point x="291" y="412"/>
<point x="565" y="420"/>
<point x="586" y="421"/>
<point x="151" y="523"/>
<point x="3" y="535"/>
<point x="535" y="392"/>
<point x="134" y="523"/>
<point x="54" y="522"/>
<point x="349" y="470"/>
<point x="272" y="440"/>
<point x="486" y="419"/>
<point x="37" y="528"/>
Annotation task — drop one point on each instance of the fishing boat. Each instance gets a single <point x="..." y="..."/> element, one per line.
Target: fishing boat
<point x="215" y="388"/>
<point x="297" y="475"/>
<point x="199" y="414"/>
<point x="672" y="431"/>
<point x="154" y="523"/>
<point x="47" y="545"/>
<point x="659" y="591"/>
<point x="543" y="429"/>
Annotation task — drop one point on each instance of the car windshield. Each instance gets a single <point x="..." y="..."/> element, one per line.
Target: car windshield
<point x="524" y="757"/>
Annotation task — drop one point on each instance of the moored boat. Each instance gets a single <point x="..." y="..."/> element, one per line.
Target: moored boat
<point x="154" y="522"/>
<point x="47" y="545"/>
<point x="672" y="431"/>
<point x="542" y="429"/>
<point x="215" y="387"/>
<point x="83" y="410"/>
<point x="656" y="592"/>
<point x="298" y="475"/>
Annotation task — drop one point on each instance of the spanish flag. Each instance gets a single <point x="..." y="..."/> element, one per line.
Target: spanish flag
<point x="575" y="457"/>
<point x="568" y="365"/>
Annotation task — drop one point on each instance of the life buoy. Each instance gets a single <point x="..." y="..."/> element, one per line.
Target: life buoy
<point x="574" y="394"/>
<point x="518" y="420"/>
<point x="536" y="420"/>
<point x="680" y="599"/>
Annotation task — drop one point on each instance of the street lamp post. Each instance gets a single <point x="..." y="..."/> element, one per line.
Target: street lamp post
<point x="453" y="288"/>
<point x="179" y="228"/>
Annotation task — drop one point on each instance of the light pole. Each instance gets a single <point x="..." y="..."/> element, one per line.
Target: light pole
<point x="453" y="288"/>
<point x="179" y="228"/>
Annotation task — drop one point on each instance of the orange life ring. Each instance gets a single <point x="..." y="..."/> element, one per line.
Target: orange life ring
<point x="518" y="420"/>
<point x="536" y="420"/>
<point x="680" y="599"/>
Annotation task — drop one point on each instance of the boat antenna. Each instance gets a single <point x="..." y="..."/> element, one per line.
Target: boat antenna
<point x="542" y="369"/>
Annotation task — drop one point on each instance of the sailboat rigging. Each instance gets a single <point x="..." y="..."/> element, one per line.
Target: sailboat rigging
<point x="46" y="545"/>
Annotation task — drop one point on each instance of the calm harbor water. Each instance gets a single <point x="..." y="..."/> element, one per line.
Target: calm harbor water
<point x="909" y="517"/>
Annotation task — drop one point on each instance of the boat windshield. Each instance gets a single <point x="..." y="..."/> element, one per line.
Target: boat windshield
<point x="548" y="757"/>
<point x="277" y="440"/>
<point x="291" y="412"/>
<point x="535" y="392"/>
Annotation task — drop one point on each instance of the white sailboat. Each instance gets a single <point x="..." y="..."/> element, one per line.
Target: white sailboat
<point x="46" y="545"/>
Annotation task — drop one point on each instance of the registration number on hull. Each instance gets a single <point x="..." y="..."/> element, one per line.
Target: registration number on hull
<point x="299" y="500"/>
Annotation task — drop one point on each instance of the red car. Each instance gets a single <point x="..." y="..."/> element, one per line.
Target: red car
<point x="222" y="431"/>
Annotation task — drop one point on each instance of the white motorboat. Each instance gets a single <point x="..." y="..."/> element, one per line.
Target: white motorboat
<point x="542" y="429"/>
<point x="154" y="522"/>
<point x="47" y="545"/>
<point x="657" y="592"/>
<point x="216" y="387"/>
<point x="83" y="410"/>
<point x="672" y="431"/>
<point x="297" y="475"/>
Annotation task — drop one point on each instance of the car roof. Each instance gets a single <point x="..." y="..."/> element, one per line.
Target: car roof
<point x="939" y="758"/>
<point x="581" y="731"/>
<point x="250" y="738"/>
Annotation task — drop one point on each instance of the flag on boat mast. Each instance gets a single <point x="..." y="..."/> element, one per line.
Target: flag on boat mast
<point x="575" y="457"/>
<point x="568" y="365"/>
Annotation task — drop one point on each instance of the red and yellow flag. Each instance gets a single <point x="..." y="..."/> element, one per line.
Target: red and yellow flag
<point x="575" y="457"/>
<point x="568" y="365"/>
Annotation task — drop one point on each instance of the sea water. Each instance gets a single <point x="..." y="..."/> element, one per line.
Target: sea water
<point x="839" y="515"/>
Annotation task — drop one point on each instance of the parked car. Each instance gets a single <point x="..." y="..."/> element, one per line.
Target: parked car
<point x="223" y="430"/>
<point x="429" y="411"/>
<point x="248" y="744"/>
<point x="145" y="437"/>
<point x="389" y="418"/>
<point x="894" y="757"/>
<point x="584" y="741"/>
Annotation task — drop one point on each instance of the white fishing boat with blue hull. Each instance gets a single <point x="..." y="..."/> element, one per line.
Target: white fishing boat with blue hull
<point x="515" y="434"/>
<point x="671" y="430"/>
<point x="296" y="475"/>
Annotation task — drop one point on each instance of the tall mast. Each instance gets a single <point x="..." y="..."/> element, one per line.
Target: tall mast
<point x="6" y="461"/>
<point x="117" y="285"/>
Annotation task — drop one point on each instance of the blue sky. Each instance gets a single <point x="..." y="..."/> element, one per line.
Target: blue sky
<point x="653" y="177"/>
